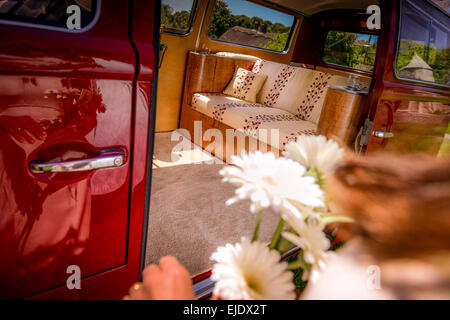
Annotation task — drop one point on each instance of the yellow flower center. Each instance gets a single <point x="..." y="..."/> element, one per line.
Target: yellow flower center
<point x="269" y="180"/>
<point x="253" y="283"/>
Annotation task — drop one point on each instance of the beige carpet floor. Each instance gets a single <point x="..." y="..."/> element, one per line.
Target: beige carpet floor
<point x="188" y="216"/>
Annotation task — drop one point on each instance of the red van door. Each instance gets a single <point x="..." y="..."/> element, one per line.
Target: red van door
<point x="411" y="102"/>
<point x="73" y="148"/>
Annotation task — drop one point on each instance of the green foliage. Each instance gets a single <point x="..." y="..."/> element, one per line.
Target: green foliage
<point x="243" y="21"/>
<point x="174" y="20"/>
<point x="298" y="272"/>
<point x="298" y="282"/>
<point x="277" y="28"/>
<point x="438" y="60"/>
<point x="345" y="49"/>
<point x="279" y="43"/>
<point x="222" y="20"/>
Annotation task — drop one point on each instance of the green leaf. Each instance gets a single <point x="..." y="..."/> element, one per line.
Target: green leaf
<point x="257" y="226"/>
<point x="299" y="263"/>
<point x="284" y="245"/>
<point x="277" y="235"/>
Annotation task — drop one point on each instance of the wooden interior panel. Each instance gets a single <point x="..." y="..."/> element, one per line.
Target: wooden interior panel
<point x="344" y="74"/>
<point x="188" y="118"/>
<point x="209" y="73"/>
<point x="342" y="116"/>
<point x="171" y="73"/>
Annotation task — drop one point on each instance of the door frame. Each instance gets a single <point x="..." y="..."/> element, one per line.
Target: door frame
<point x="114" y="283"/>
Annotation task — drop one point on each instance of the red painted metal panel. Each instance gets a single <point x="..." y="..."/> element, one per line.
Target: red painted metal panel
<point x="72" y="95"/>
<point x="109" y="285"/>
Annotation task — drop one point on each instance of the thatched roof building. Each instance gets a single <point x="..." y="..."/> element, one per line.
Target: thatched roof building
<point x="248" y="37"/>
<point x="418" y="69"/>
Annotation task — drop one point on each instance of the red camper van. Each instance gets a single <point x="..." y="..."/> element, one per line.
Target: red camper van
<point x="92" y="91"/>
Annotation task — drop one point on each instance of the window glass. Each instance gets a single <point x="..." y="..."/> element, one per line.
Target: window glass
<point x="423" y="49"/>
<point x="176" y="15"/>
<point x="246" y="23"/>
<point x="352" y="50"/>
<point x="49" y="12"/>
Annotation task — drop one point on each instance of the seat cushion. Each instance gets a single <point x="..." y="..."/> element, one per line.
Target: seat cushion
<point x="311" y="97"/>
<point x="278" y="75"/>
<point x="253" y="119"/>
<point x="245" y="85"/>
<point x="298" y="90"/>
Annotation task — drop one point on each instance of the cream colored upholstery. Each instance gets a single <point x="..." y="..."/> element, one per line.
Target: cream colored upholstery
<point x="253" y="119"/>
<point x="297" y="90"/>
<point x="245" y="85"/>
<point x="287" y="106"/>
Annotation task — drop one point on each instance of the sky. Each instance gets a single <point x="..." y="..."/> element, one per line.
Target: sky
<point x="179" y="5"/>
<point x="240" y="7"/>
<point x="251" y="9"/>
<point x="365" y="37"/>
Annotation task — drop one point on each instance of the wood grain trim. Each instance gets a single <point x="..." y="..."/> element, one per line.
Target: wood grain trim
<point x="190" y="115"/>
<point x="341" y="73"/>
<point x="342" y="115"/>
<point x="209" y="73"/>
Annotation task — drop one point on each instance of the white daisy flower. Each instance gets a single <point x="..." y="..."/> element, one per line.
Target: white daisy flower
<point x="314" y="243"/>
<point x="315" y="152"/>
<point x="251" y="271"/>
<point x="272" y="182"/>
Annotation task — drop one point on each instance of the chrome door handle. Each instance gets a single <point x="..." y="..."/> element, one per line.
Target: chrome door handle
<point x="105" y="159"/>
<point x="383" y="134"/>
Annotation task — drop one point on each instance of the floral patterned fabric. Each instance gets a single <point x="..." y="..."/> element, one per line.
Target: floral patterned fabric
<point x="245" y="85"/>
<point x="250" y="118"/>
<point x="290" y="100"/>
<point x="300" y="91"/>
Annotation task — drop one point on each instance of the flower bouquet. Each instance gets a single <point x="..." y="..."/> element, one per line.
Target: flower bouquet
<point x="294" y="187"/>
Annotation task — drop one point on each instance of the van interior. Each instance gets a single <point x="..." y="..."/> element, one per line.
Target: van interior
<point x="237" y="76"/>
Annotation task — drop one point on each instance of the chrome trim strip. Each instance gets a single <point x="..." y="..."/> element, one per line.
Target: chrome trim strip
<point x="383" y="134"/>
<point x="348" y="90"/>
<point x="204" y="288"/>
<point x="105" y="159"/>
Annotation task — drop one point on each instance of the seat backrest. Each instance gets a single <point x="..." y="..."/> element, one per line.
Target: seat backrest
<point x="298" y="90"/>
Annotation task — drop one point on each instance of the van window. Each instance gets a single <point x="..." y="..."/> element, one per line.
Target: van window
<point x="64" y="14"/>
<point x="177" y="15"/>
<point x="424" y="43"/>
<point x="249" y="24"/>
<point x="351" y="50"/>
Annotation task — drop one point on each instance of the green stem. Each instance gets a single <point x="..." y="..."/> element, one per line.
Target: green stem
<point x="258" y="223"/>
<point x="277" y="235"/>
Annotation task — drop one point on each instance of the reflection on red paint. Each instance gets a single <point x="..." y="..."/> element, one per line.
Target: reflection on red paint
<point x="47" y="218"/>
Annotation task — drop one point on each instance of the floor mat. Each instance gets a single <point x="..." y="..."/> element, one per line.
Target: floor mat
<point x="188" y="216"/>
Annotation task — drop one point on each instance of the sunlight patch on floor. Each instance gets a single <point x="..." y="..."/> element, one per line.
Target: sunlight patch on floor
<point x="169" y="153"/>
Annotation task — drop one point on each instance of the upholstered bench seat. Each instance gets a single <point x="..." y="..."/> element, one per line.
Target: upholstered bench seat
<point x="225" y="91"/>
<point x="250" y="118"/>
